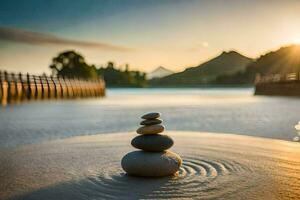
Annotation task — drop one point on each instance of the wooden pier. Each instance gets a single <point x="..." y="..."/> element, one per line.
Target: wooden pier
<point x="16" y="88"/>
<point x="278" y="84"/>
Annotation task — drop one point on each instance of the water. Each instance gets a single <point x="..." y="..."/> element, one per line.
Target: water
<point x="221" y="110"/>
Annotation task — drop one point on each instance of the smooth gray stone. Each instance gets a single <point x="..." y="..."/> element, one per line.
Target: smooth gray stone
<point x="152" y="115"/>
<point x="142" y="163"/>
<point x="151" y="122"/>
<point x="153" y="129"/>
<point x="155" y="142"/>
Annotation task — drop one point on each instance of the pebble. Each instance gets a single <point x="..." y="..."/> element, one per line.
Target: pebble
<point x="142" y="163"/>
<point x="151" y="122"/>
<point x="155" y="142"/>
<point x="152" y="115"/>
<point x="153" y="129"/>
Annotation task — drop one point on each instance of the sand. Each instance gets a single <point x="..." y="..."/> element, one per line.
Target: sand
<point x="215" y="166"/>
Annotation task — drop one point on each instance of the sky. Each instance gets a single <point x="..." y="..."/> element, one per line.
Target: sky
<point x="142" y="33"/>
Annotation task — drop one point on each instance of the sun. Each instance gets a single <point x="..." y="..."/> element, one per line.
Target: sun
<point x="296" y="41"/>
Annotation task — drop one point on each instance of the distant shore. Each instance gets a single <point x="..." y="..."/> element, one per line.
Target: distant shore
<point x="192" y="86"/>
<point x="278" y="89"/>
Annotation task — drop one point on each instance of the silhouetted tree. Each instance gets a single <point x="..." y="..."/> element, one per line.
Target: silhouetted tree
<point x="72" y="65"/>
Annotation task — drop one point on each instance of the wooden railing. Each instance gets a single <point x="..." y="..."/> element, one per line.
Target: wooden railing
<point x="20" y="87"/>
<point x="277" y="78"/>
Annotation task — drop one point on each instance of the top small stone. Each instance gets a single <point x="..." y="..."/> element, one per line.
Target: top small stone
<point x="152" y="115"/>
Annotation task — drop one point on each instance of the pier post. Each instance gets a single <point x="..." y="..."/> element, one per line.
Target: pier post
<point x="36" y="90"/>
<point x="48" y="86"/>
<point x="54" y="86"/>
<point x="14" y="87"/>
<point x="61" y="88"/>
<point x="8" y="87"/>
<point x="4" y="90"/>
<point x="22" y="91"/>
<point x="1" y="86"/>
<point x="42" y="87"/>
<point x="28" y="89"/>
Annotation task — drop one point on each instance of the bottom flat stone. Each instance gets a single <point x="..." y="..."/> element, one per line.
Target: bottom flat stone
<point x="155" y="164"/>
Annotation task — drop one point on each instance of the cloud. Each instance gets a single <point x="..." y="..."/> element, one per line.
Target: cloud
<point x="36" y="38"/>
<point x="199" y="46"/>
<point x="204" y="44"/>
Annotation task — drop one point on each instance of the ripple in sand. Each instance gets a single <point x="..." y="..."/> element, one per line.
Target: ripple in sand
<point x="196" y="176"/>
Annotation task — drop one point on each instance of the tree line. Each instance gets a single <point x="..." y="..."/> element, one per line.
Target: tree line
<point x="71" y="64"/>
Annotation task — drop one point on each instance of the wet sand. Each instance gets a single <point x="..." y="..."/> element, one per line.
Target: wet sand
<point x="215" y="166"/>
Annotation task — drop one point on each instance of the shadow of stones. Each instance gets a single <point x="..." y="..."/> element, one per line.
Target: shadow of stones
<point x="121" y="186"/>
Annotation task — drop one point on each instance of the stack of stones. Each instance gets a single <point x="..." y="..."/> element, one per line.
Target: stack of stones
<point x="152" y="159"/>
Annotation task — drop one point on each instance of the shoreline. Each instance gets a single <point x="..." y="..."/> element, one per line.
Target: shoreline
<point x="20" y="146"/>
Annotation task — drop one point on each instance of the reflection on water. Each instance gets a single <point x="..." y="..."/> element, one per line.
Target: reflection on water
<point x="214" y="110"/>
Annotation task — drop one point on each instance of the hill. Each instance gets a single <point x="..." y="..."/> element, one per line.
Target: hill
<point x="284" y="60"/>
<point x="226" y="63"/>
<point x="159" y="73"/>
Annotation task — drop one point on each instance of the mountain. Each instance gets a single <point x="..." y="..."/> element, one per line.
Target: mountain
<point x="226" y="63"/>
<point x="159" y="73"/>
<point x="282" y="61"/>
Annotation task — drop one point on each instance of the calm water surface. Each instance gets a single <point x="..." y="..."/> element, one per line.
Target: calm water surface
<point x="216" y="110"/>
